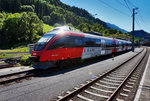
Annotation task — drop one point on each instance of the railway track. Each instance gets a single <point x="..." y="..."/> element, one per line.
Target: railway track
<point x="9" y="62"/>
<point x="9" y="78"/>
<point x="112" y="85"/>
<point x="18" y="76"/>
<point x="24" y="75"/>
<point x="2" y="66"/>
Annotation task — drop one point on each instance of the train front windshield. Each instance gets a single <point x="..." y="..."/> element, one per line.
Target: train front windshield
<point x="40" y="45"/>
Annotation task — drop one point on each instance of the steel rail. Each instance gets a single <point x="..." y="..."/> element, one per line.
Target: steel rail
<point x="131" y="72"/>
<point x="73" y="93"/>
<point x="2" y="66"/>
<point x="15" y="78"/>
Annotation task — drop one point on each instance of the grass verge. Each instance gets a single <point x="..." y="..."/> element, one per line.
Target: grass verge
<point x="18" y="49"/>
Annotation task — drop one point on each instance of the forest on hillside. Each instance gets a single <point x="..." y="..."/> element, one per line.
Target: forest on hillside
<point x="50" y="11"/>
<point x="23" y="21"/>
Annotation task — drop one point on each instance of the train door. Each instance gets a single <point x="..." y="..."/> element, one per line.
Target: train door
<point x="87" y="48"/>
<point x="114" y="49"/>
<point x="103" y="45"/>
<point x="98" y="47"/>
<point x="120" y="46"/>
<point x="109" y="46"/>
<point x="77" y="47"/>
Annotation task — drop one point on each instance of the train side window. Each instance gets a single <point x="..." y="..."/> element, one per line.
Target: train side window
<point x="91" y="42"/>
<point x="88" y="42"/>
<point x="85" y="42"/>
<point x="59" y="43"/>
<point x="78" y="41"/>
<point x="69" y="42"/>
<point x="98" y="42"/>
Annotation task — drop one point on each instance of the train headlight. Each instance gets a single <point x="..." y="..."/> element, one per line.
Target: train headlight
<point x="34" y="53"/>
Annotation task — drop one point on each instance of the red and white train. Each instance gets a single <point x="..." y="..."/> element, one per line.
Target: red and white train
<point x="62" y="44"/>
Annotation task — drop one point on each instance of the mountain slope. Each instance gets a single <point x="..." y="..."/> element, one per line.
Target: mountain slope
<point x="141" y="34"/>
<point x="115" y="27"/>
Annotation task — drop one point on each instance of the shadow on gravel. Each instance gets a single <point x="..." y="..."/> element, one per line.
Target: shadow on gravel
<point x="56" y="70"/>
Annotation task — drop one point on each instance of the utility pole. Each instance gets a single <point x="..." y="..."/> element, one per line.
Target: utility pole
<point x="133" y="31"/>
<point x="133" y="28"/>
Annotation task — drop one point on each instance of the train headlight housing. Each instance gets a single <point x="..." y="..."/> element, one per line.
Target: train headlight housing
<point x="34" y="58"/>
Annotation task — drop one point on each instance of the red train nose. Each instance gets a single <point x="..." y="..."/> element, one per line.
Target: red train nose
<point x="34" y="58"/>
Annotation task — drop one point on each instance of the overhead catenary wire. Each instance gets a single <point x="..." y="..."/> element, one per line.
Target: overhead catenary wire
<point x="113" y="7"/>
<point x="142" y="20"/>
<point x="130" y="3"/>
<point x="137" y="22"/>
<point x="139" y="19"/>
<point x="118" y="1"/>
<point x="128" y="6"/>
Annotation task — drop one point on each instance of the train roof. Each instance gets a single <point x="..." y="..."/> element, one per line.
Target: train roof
<point x="95" y="33"/>
<point x="63" y="29"/>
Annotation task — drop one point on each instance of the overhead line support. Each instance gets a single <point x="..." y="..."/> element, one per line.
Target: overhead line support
<point x="133" y="28"/>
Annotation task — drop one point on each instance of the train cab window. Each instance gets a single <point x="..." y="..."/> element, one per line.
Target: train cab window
<point x="43" y="41"/>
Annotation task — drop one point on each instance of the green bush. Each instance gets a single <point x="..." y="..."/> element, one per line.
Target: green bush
<point x="2" y="55"/>
<point x="25" y="61"/>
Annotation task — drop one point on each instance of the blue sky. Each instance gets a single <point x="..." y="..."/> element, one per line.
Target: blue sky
<point x="117" y="11"/>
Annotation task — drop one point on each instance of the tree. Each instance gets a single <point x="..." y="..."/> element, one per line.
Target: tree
<point x="113" y="31"/>
<point x="46" y="19"/>
<point x="57" y="18"/>
<point x="70" y="24"/>
<point x="84" y="27"/>
<point x="2" y="18"/>
<point x="56" y="25"/>
<point x="26" y="8"/>
<point x="21" y="28"/>
<point x="105" y="32"/>
<point x="97" y="28"/>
